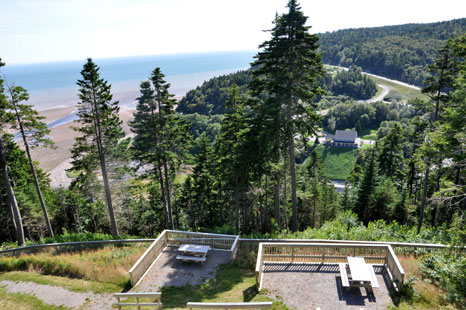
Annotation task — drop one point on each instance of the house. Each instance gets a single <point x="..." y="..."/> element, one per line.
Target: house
<point x="344" y="138"/>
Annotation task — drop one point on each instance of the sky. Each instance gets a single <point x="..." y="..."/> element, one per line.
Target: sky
<point x="34" y="31"/>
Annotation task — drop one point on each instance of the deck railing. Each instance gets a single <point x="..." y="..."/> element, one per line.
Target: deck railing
<point x="149" y="256"/>
<point x="322" y="253"/>
<point x="215" y="241"/>
<point x="176" y="238"/>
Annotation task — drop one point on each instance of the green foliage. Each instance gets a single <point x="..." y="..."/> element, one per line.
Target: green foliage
<point x="353" y="84"/>
<point x="399" y="52"/>
<point x="447" y="272"/>
<point x="210" y="97"/>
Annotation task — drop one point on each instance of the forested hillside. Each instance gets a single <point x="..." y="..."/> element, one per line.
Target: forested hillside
<point x="399" y="52"/>
<point x="211" y="96"/>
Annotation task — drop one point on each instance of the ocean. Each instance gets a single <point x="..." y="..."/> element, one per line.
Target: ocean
<point x="53" y="85"/>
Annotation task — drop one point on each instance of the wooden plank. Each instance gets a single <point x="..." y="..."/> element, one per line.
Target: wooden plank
<point x="148" y="295"/>
<point x="142" y="304"/>
<point x="233" y="305"/>
<point x="374" y="282"/>
<point x="193" y="258"/>
<point x="359" y="269"/>
<point x="344" y="275"/>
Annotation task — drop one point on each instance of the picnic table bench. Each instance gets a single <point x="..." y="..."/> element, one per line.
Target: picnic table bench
<point x="156" y="296"/>
<point x="191" y="252"/>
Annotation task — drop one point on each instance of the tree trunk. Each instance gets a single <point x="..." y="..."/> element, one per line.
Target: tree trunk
<point x="294" y="218"/>
<point x="424" y="197"/>
<point x="11" y="197"/>
<point x="237" y="204"/>
<point x="167" y="190"/>
<point x="285" y="215"/>
<point x="103" y="166"/>
<point x="34" y="175"/>
<point x="277" y="187"/>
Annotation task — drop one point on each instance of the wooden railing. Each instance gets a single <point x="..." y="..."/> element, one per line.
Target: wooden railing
<point x="215" y="241"/>
<point x="176" y="238"/>
<point x="322" y="253"/>
<point x="229" y="305"/>
<point x="394" y="267"/>
<point x="398" y="247"/>
<point x="149" y="256"/>
<point x="154" y="302"/>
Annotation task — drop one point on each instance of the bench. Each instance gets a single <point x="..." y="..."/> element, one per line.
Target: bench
<point x="374" y="282"/>
<point x="344" y="275"/>
<point x="156" y="296"/>
<point x="191" y="258"/>
<point x="229" y="305"/>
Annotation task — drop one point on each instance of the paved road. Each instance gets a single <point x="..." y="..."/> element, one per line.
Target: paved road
<point x="385" y="90"/>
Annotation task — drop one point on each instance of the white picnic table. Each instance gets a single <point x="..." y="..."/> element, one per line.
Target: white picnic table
<point x="359" y="269"/>
<point x="362" y="274"/>
<point x="193" y="252"/>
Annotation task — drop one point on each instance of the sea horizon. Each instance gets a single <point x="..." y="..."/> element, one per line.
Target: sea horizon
<point x="53" y="84"/>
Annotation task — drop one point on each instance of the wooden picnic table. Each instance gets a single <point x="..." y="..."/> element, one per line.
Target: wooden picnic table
<point x="192" y="252"/>
<point x="362" y="274"/>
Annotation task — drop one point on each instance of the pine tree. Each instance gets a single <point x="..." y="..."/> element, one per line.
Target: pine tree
<point x="231" y="150"/>
<point x="287" y="72"/>
<point x="101" y="130"/>
<point x="33" y="132"/>
<point x="391" y="153"/>
<point x="161" y="138"/>
<point x="5" y="118"/>
<point x="367" y="186"/>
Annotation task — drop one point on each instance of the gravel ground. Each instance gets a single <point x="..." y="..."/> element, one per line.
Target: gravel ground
<point x="307" y="286"/>
<point x="168" y="271"/>
<point x="59" y="296"/>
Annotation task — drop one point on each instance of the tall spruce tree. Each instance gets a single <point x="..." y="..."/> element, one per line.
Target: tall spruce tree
<point x="391" y="154"/>
<point x="33" y="132"/>
<point x="367" y="186"/>
<point x="101" y="130"/>
<point x="231" y="153"/>
<point x="286" y="74"/>
<point x="6" y="116"/>
<point x="161" y="138"/>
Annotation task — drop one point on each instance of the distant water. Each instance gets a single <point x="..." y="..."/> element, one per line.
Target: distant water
<point x="54" y="84"/>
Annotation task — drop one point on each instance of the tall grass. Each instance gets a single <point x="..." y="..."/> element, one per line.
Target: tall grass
<point x="109" y="264"/>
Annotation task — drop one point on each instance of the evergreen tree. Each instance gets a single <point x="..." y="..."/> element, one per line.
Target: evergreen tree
<point x="391" y="153"/>
<point x="161" y="138"/>
<point x="5" y="118"/>
<point x="231" y="154"/>
<point x="101" y="130"/>
<point x="33" y="132"/>
<point x="287" y="72"/>
<point x="367" y="186"/>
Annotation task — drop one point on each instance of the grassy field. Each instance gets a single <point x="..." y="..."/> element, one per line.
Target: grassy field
<point x="338" y="162"/>
<point x="101" y="270"/>
<point x="407" y="93"/>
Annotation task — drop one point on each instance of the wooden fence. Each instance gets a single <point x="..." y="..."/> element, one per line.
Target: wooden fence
<point x="176" y="238"/>
<point x="322" y="253"/>
<point x="398" y="247"/>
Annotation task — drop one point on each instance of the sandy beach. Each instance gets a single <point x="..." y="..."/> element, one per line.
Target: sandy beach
<point x="55" y="161"/>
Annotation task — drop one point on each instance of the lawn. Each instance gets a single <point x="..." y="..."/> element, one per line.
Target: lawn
<point x="338" y="162"/>
<point x="368" y="134"/>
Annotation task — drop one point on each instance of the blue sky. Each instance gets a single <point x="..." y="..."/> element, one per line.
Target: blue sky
<point x="55" y="30"/>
